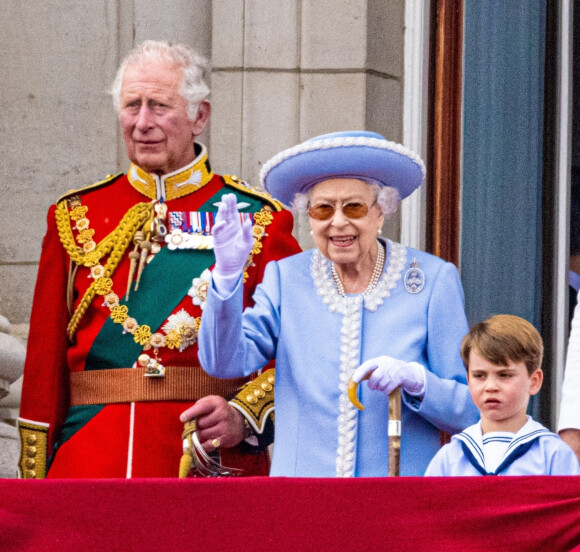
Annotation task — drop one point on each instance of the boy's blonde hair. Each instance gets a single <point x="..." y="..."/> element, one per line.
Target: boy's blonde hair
<point x="504" y="338"/>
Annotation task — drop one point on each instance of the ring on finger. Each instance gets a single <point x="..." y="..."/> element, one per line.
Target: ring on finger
<point x="216" y="443"/>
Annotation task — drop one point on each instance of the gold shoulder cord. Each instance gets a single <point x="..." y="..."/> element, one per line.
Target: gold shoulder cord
<point x="117" y="242"/>
<point x="262" y="219"/>
<point x="115" y="245"/>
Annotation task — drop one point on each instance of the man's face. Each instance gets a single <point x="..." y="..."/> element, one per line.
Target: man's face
<point x="157" y="130"/>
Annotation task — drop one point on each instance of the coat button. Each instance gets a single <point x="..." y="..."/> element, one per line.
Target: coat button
<point x="252" y="399"/>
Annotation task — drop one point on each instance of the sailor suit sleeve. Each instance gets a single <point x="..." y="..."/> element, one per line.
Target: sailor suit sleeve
<point x="447" y="403"/>
<point x="438" y="466"/>
<point x="563" y="460"/>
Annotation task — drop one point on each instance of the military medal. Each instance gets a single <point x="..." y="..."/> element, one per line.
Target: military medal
<point x="414" y="278"/>
<point x="199" y="287"/>
<point x="192" y="229"/>
<point x="159" y="224"/>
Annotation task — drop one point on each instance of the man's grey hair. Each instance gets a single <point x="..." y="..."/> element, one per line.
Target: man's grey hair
<point x="194" y="66"/>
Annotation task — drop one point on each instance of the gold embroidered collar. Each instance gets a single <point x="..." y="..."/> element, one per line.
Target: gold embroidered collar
<point x="173" y="185"/>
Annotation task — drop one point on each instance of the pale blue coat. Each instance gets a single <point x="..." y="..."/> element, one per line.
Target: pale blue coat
<point x="291" y="323"/>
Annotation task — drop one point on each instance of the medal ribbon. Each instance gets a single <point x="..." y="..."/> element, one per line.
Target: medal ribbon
<point x="198" y="222"/>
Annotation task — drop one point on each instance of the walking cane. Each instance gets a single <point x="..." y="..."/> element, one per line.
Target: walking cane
<point x="394" y="428"/>
<point x="395" y="432"/>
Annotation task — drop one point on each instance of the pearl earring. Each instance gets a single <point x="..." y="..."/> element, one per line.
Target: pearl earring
<point x="379" y="231"/>
<point x="311" y="233"/>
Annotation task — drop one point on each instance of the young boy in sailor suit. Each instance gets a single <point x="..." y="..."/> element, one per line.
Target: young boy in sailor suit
<point x="502" y="356"/>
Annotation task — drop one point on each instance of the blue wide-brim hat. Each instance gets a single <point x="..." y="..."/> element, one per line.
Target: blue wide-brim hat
<point x="351" y="154"/>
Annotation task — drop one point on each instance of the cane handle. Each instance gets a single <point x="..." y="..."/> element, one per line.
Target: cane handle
<point x="353" y="391"/>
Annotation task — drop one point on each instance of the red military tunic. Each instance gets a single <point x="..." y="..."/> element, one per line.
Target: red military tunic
<point x="127" y="434"/>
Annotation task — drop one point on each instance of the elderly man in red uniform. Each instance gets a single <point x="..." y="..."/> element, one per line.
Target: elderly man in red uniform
<point x="112" y="353"/>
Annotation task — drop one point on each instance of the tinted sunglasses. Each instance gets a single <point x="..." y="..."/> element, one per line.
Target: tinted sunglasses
<point x="352" y="210"/>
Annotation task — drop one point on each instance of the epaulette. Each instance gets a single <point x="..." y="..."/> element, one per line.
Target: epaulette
<point x="244" y="187"/>
<point x="109" y="179"/>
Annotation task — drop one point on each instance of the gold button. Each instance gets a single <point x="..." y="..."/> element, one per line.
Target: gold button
<point x="259" y="393"/>
<point x="30" y="474"/>
<point x="271" y="379"/>
<point x="31" y="439"/>
<point x="252" y="399"/>
<point x="30" y="462"/>
<point x="31" y="451"/>
<point x="267" y="387"/>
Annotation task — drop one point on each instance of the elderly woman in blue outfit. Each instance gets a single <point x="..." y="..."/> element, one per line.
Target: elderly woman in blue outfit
<point x="354" y="299"/>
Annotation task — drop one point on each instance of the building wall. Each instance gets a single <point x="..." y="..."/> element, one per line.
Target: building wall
<point x="282" y="71"/>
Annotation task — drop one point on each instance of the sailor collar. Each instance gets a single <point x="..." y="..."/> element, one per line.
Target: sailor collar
<point x="471" y="440"/>
<point x="174" y="185"/>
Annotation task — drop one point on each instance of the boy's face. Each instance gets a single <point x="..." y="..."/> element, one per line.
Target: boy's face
<point x="501" y="393"/>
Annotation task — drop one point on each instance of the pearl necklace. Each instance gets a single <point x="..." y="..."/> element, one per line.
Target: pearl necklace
<point x="377" y="272"/>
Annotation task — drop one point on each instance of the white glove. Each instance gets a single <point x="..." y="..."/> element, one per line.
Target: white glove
<point x="389" y="373"/>
<point x="232" y="243"/>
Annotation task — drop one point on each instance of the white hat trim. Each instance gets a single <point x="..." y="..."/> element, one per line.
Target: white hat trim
<point x="328" y="143"/>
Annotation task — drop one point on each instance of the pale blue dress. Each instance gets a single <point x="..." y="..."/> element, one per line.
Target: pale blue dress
<point x="319" y="337"/>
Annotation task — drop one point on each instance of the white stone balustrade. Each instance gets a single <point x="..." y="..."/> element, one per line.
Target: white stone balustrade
<point x="12" y="354"/>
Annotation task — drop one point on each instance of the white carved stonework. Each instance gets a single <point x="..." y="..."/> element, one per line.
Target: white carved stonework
<point x="12" y="354"/>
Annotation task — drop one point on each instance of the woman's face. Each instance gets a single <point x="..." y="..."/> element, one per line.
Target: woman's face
<point x="341" y="239"/>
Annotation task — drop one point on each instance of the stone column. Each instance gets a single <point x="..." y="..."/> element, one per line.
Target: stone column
<point x="300" y="68"/>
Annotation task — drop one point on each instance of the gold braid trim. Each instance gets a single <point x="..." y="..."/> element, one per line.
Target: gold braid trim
<point x="255" y="400"/>
<point x="115" y="244"/>
<point x="32" y="463"/>
<point x="76" y="253"/>
<point x="262" y="219"/>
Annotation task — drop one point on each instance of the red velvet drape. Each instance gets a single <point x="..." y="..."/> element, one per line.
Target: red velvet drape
<point x="272" y="514"/>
